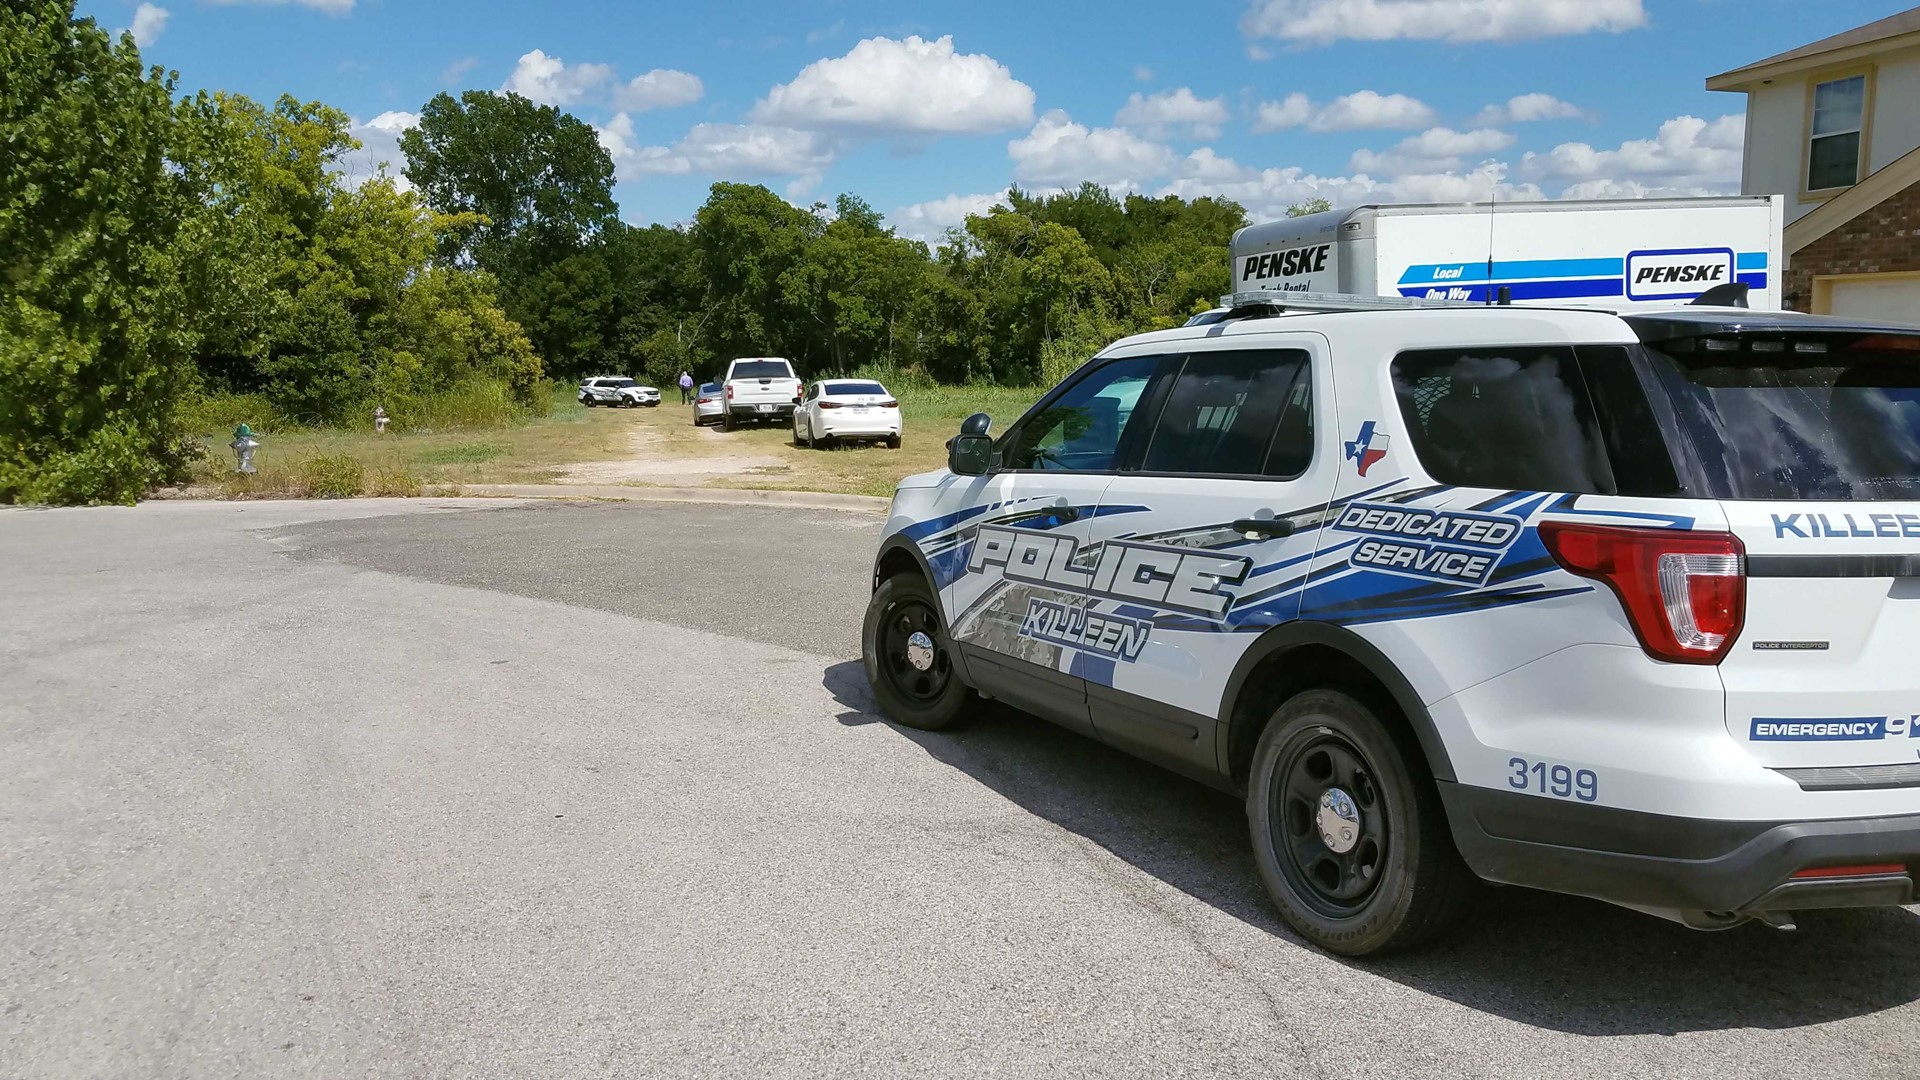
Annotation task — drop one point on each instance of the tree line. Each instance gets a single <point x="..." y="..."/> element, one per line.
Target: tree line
<point x="1006" y="298"/>
<point x="160" y="249"/>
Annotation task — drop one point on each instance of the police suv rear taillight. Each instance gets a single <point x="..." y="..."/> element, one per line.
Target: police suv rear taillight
<point x="1685" y="592"/>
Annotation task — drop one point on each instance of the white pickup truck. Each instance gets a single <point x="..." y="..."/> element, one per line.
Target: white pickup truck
<point x="759" y="388"/>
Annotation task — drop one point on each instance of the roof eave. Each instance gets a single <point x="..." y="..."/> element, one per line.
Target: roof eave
<point x="1745" y="78"/>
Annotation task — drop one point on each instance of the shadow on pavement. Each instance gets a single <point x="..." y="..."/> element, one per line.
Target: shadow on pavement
<point x="1556" y="962"/>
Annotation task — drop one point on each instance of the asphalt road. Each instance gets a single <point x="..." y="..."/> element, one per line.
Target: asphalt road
<point x="484" y="789"/>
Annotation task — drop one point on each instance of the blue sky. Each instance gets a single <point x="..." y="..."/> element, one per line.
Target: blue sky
<point x="929" y="110"/>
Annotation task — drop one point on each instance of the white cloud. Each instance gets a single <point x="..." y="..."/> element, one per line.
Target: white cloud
<point x="1525" y="109"/>
<point x="1434" y="150"/>
<point x="723" y="150"/>
<point x="930" y="220"/>
<point x="1294" y="111"/>
<point x="453" y="72"/>
<point x="379" y="145"/>
<point x="1322" y="22"/>
<point x="1687" y="153"/>
<point x="1059" y="152"/>
<point x="331" y="7"/>
<point x="1366" y="109"/>
<point x="1173" y="112"/>
<point x="1267" y="193"/>
<point x="148" y="21"/>
<point x="1209" y="167"/>
<point x="888" y="87"/>
<point x="1142" y="73"/>
<point x="661" y="88"/>
<point x="549" y="80"/>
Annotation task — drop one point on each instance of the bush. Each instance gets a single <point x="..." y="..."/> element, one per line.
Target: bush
<point x="334" y="476"/>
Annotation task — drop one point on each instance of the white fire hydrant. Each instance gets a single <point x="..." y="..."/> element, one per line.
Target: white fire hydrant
<point x="244" y="444"/>
<point x="379" y="420"/>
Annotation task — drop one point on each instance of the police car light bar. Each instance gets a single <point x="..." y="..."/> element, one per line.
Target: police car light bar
<point x="1307" y="301"/>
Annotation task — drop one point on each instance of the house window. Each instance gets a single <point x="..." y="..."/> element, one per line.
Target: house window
<point x="1839" y="125"/>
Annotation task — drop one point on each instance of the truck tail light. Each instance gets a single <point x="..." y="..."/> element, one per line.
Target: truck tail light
<point x="1685" y="593"/>
<point x="729" y="391"/>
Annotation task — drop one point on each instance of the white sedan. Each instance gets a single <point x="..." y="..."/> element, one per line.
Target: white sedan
<point x="847" y="409"/>
<point x="709" y="405"/>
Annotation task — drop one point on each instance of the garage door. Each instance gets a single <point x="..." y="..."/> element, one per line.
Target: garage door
<point x="1892" y="298"/>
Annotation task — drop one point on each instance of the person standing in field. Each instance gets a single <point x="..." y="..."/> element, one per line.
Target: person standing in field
<point x="686" y="387"/>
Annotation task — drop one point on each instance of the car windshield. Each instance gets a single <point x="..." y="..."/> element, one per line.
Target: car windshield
<point x="1800" y="416"/>
<point x="762" y="369"/>
<point x="856" y="388"/>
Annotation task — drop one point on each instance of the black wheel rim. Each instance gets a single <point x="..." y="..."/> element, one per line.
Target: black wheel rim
<point x="922" y="686"/>
<point x="1324" y="765"/>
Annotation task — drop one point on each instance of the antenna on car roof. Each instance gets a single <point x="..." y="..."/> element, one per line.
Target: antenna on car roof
<point x="1730" y="294"/>
<point x="1491" y="188"/>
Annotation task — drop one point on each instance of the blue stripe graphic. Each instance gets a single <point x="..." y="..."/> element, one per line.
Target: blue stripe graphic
<point x="1455" y="273"/>
<point x="1750" y="260"/>
<point x="1521" y="290"/>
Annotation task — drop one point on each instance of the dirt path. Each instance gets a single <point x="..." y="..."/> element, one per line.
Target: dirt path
<point x="689" y="460"/>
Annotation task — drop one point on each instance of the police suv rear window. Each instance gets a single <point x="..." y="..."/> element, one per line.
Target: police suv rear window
<point x="1512" y="417"/>
<point x="1799" y="416"/>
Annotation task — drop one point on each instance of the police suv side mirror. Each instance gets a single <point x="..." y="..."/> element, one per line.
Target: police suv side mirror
<point x="970" y="453"/>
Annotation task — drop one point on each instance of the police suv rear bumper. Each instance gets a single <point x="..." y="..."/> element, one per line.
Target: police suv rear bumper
<point x="1708" y="874"/>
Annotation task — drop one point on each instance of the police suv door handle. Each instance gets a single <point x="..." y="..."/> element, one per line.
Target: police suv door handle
<point x="1271" y="528"/>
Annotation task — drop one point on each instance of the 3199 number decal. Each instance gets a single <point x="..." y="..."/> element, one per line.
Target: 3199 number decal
<point x="1559" y="781"/>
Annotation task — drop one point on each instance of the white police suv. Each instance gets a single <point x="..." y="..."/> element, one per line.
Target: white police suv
<point x="1619" y="605"/>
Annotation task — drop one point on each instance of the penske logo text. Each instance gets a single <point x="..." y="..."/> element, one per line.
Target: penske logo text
<point x="1684" y="272"/>
<point x="1182" y="579"/>
<point x="1292" y="262"/>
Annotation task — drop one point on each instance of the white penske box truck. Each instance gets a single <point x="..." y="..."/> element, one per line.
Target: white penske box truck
<point x="1603" y="253"/>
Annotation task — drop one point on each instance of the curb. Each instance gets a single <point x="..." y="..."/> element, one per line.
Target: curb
<point x="815" y="500"/>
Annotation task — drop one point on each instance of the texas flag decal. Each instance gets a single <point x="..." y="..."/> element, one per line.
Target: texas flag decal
<point x="1367" y="448"/>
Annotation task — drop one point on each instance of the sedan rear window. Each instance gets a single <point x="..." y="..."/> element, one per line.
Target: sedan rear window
<point x="1799" y="416"/>
<point x="762" y="369"/>
<point x="853" y="388"/>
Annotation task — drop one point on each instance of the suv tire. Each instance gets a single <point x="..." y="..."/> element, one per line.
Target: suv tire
<point x="914" y="682"/>
<point x="1347" y="829"/>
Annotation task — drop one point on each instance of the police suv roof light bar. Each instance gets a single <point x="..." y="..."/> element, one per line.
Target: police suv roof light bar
<point x="1306" y="301"/>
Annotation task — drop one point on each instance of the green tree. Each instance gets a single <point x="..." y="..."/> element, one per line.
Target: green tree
<point x="93" y="342"/>
<point x="745" y="239"/>
<point x="1311" y="206"/>
<point x="335" y="304"/>
<point x="539" y="187"/>
<point x="539" y="176"/>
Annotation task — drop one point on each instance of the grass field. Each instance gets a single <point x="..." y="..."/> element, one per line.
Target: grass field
<point x="569" y="443"/>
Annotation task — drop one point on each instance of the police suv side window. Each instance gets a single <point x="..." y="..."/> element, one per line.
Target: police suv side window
<point x="1240" y="413"/>
<point x="1515" y="417"/>
<point x="1080" y="429"/>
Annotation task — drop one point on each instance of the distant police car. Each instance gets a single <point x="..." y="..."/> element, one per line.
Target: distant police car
<point x="1616" y="604"/>
<point x="617" y="391"/>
